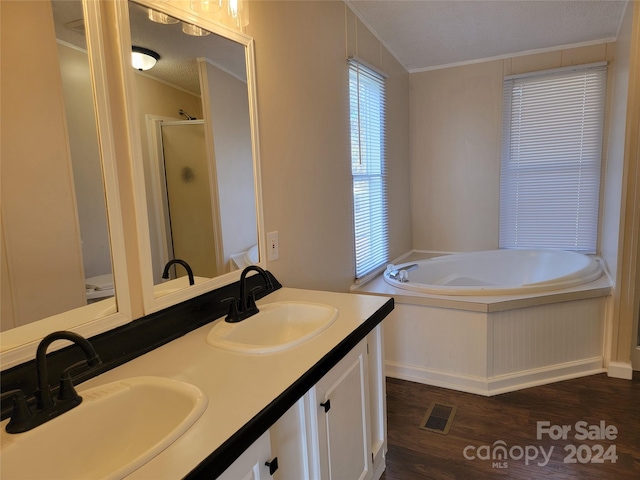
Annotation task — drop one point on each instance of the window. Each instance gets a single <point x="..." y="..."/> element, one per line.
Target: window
<point x="367" y="115"/>
<point x="551" y="156"/>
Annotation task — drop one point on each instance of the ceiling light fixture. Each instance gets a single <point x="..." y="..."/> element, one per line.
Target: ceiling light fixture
<point x="143" y="58"/>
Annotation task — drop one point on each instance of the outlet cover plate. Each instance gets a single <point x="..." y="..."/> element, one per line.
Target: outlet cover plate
<point x="272" y="246"/>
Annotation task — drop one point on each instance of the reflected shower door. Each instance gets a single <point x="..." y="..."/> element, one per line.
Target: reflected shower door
<point x="189" y="196"/>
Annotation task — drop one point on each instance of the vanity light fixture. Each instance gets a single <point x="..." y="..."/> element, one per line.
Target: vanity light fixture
<point x="238" y="11"/>
<point x="160" y="17"/>
<point x="230" y="12"/>
<point x="194" y="30"/>
<point x="143" y="58"/>
<point x="206" y="5"/>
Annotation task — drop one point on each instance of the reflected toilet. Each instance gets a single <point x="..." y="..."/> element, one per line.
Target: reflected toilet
<point x="99" y="287"/>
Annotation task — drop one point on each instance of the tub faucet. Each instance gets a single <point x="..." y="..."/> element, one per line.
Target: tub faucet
<point x="245" y="306"/>
<point x="401" y="274"/>
<point x="22" y="418"/>
<point x="186" y="266"/>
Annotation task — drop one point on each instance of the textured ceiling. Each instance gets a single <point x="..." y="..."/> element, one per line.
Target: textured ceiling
<point x="427" y="34"/>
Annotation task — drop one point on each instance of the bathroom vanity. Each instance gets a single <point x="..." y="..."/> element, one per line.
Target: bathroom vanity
<point x="320" y="400"/>
<point x="318" y="407"/>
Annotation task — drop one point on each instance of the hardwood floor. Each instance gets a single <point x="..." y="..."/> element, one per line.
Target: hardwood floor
<point x="512" y="418"/>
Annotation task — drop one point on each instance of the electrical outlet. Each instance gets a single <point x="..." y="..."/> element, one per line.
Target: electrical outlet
<point x="272" y="246"/>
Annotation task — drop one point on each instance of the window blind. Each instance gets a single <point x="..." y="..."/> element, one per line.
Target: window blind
<point x="551" y="159"/>
<point x="367" y="120"/>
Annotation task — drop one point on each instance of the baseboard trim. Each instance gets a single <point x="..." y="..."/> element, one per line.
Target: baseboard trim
<point x="437" y="378"/>
<point x="496" y="385"/>
<point x="620" y="370"/>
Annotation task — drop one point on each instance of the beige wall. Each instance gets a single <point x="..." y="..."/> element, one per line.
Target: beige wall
<point x="39" y="220"/>
<point x="303" y="108"/>
<point x="456" y="146"/>
<point x="627" y="291"/>
<point x="233" y="159"/>
<point x="613" y="181"/>
<point x="85" y="157"/>
<point x="455" y="157"/>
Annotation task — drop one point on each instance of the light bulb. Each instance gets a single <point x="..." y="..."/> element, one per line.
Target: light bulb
<point x="160" y="17"/>
<point x="194" y="30"/>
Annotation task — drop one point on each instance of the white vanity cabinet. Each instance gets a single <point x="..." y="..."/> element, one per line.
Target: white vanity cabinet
<point x="343" y="421"/>
<point x="253" y="464"/>
<point x="338" y="429"/>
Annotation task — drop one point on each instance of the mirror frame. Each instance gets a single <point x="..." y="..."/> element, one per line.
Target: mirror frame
<point x="181" y="11"/>
<point x="27" y="341"/>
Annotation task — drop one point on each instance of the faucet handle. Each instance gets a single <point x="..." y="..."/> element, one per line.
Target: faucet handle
<point x="234" y="315"/>
<point x="251" y="299"/>
<point x="21" y="411"/>
<point x="67" y="391"/>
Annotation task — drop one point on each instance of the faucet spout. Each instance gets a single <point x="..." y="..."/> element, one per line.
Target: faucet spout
<point x="401" y="274"/>
<point x="243" y="281"/>
<point x="43" y="393"/>
<point x="186" y="266"/>
<point x="245" y="306"/>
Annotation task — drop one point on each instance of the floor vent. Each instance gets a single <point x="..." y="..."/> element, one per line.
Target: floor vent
<point x="438" y="418"/>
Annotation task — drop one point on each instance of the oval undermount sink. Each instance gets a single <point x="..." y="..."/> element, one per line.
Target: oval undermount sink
<point x="116" y="429"/>
<point x="277" y="326"/>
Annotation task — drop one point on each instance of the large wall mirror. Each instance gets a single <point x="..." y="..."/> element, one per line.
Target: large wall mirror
<point x="57" y="254"/>
<point x="194" y="148"/>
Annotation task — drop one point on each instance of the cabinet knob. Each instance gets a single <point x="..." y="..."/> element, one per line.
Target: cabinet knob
<point x="273" y="465"/>
<point x="326" y="405"/>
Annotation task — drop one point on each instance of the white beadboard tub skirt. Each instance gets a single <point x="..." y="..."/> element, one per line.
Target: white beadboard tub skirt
<point x="496" y="340"/>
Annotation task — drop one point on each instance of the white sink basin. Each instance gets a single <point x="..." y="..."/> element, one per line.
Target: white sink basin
<point x="278" y="326"/>
<point x="117" y="428"/>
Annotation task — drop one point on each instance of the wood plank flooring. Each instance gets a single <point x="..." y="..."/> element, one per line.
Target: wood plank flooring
<point x="512" y="418"/>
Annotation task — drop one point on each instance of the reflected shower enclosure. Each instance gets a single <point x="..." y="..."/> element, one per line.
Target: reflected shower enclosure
<point x="187" y="212"/>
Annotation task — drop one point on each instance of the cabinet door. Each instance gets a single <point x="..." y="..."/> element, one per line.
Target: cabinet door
<point x="342" y="397"/>
<point x="251" y="465"/>
<point x="291" y="443"/>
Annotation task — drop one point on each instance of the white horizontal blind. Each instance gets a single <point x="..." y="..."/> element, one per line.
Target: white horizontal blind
<point x="367" y="118"/>
<point x="551" y="159"/>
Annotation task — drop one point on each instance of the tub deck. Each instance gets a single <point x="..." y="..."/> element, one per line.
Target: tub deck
<point x="601" y="287"/>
